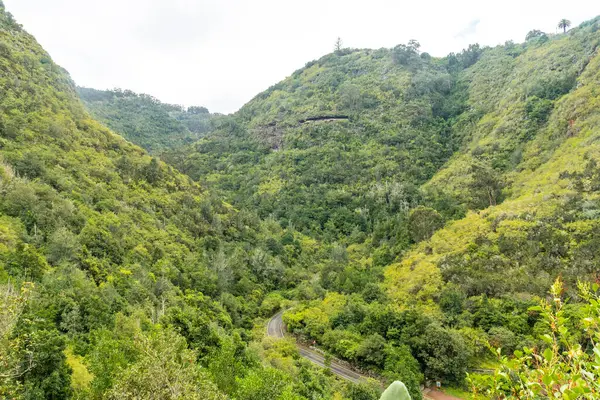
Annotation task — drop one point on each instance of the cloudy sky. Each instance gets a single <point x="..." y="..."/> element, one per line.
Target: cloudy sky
<point x="220" y="53"/>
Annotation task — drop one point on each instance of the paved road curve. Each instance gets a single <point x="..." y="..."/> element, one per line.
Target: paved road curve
<point x="276" y="328"/>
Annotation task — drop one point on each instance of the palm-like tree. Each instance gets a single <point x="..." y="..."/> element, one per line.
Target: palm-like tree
<point x="564" y="24"/>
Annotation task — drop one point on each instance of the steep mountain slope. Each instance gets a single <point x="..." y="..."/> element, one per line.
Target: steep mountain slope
<point x="414" y="210"/>
<point x="121" y="278"/>
<point x="464" y="185"/>
<point x="144" y="120"/>
<point x="347" y="148"/>
<point x="535" y="142"/>
<point x="339" y="148"/>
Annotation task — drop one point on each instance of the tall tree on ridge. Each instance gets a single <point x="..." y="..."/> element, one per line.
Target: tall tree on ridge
<point x="564" y="24"/>
<point x="338" y="44"/>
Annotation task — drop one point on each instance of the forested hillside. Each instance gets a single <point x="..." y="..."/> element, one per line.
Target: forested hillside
<point x="526" y="172"/>
<point x="144" y="120"/>
<point x="340" y="148"/>
<point x="380" y="148"/>
<point x="121" y="278"/>
<point x="408" y="212"/>
<point x="453" y="193"/>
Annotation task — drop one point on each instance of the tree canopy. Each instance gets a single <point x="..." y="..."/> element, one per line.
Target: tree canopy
<point x="405" y="212"/>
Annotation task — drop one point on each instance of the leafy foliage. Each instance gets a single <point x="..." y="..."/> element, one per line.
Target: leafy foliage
<point x="338" y="148"/>
<point x="405" y="209"/>
<point x="144" y="120"/>
<point x="141" y="277"/>
<point x="445" y="194"/>
<point x="562" y="367"/>
<point x="396" y="391"/>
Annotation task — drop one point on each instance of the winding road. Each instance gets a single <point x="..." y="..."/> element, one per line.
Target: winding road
<point x="276" y="328"/>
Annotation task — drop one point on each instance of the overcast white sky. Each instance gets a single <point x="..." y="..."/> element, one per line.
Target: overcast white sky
<point x="221" y="53"/>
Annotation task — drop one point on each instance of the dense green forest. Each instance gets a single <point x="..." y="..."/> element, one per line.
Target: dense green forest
<point x="452" y="192"/>
<point x="121" y="278"/>
<point x="421" y="218"/>
<point x="144" y="120"/>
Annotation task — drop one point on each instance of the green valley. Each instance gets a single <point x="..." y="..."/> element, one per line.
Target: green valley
<point x="453" y="192"/>
<point x="419" y="218"/>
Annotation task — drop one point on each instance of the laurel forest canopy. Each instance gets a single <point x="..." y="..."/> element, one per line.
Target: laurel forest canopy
<point x="408" y="212"/>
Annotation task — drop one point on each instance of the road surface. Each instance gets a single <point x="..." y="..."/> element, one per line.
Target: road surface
<point x="276" y="328"/>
